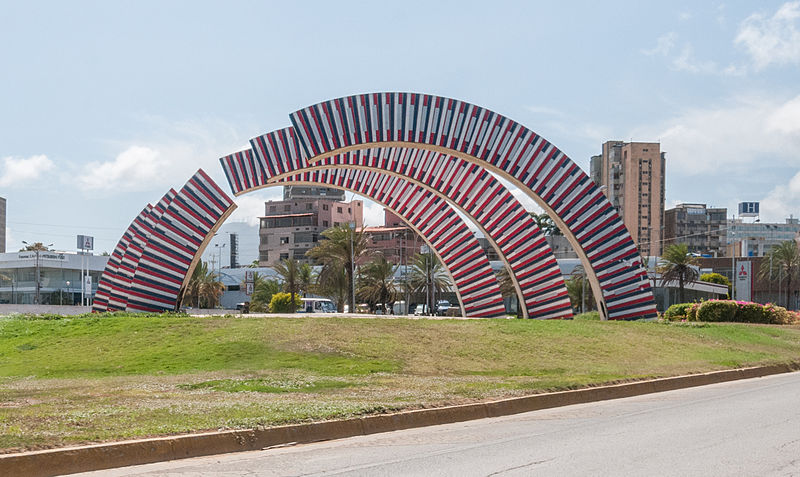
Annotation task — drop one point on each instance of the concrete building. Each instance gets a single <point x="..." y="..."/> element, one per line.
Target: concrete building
<point x="703" y="229"/>
<point x="293" y="226"/>
<point x="59" y="277"/>
<point x="398" y="242"/>
<point x="2" y="225"/>
<point x="633" y="176"/>
<point x="756" y="239"/>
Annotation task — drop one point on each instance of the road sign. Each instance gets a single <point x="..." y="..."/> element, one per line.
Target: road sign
<point x="249" y="287"/>
<point x="85" y="242"/>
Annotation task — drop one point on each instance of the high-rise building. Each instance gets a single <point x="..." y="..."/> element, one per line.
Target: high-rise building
<point x="632" y="175"/>
<point x="292" y="226"/>
<point x="2" y="225"/>
<point x="701" y="228"/>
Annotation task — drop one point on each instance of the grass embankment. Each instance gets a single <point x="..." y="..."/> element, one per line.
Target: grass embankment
<point x="92" y="379"/>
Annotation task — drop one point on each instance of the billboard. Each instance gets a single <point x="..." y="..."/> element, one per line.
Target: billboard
<point x="748" y="209"/>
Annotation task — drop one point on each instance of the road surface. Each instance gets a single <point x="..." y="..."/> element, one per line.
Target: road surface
<point x="749" y="427"/>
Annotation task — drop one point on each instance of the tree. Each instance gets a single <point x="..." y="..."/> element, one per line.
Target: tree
<point x="34" y="247"/>
<point x="375" y="283"/>
<point x="339" y="248"/>
<point x="305" y="279"/>
<point x="545" y="223"/>
<point x="426" y="269"/>
<point x="782" y="262"/>
<point x="284" y="303"/>
<point x="579" y="290"/>
<point x="716" y="278"/>
<point x="677" y="265"/>
<point x="332" y="282"/>
<point x="289" y="270"/>
<point x="203" y="289"/>
<point x="263" y="290"/>
<point x="507" y="288"/>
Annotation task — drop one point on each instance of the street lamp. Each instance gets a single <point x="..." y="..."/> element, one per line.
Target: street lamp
<point x="352" y="227"/>
<point x="38" y="277"/>
<point x="69" y="293"/>
<point x="219" y="254"/>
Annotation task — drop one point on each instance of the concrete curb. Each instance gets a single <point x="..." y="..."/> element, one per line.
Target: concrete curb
<point x="119" y="454"/>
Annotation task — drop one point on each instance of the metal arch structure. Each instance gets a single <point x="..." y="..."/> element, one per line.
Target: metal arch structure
<point x="507" y="148"/>
<point x="430" y="216"/>
<point x="165" y="241"/>
<point x="277" y="154"/>
<point x="151" y="264"/>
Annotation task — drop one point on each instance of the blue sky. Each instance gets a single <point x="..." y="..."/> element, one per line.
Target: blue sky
<point x="105" y="105"/>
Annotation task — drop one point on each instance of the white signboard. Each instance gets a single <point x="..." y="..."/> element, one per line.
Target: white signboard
<point x="85" y="242"/>
<point x="60" y="257"/>
<point x="87" y="284"/>
<point x="744" y="280"/>
<point x="249" y="276"/>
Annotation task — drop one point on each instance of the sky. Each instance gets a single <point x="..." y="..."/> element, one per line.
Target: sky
<point x="106" y="105"/>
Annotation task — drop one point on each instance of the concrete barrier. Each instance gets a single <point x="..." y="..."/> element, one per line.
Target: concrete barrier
<point x="143" y="451"/>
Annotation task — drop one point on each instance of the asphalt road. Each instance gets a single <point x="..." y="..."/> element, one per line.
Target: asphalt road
<point x="749" y="427"/>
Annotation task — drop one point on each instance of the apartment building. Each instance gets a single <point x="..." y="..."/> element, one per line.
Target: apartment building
<point x="291" y="227"/>
<point x="703" y="229"/>
<point x="632" y="177"/>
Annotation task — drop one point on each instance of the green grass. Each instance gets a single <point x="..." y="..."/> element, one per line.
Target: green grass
<point x="92" y="378"/>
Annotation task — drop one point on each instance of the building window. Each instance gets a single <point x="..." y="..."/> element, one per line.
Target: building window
<point x="284" y="256"/>
<point x="324" y="223"/>
<point x="349" y="210"/>
<point x="339" y="210"/>
<point x="324" y="206"/>
<point x="284" y="240"/>
<point x="309" y="206"/>
<point x="272" y="208"/>
<point x="287" y="207"/>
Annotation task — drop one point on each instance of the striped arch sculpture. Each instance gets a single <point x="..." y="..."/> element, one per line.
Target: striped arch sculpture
<point x="490" y="140"/>
<point x="436" y="147"/>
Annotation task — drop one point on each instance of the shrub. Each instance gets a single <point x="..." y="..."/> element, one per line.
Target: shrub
<point x="717" y="310"/>
<point x="678" y="311"/>
<point x="752" y="313"/>
<point x="282" y="303"/>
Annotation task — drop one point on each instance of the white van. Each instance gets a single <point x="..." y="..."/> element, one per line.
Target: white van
<point x="317" y="305"/>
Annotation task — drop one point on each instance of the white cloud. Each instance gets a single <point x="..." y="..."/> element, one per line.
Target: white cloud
<point x="774" y="39"/>
<point x="664" y="45"/>
<point x="168" y="157"/>
<point x="135" y="168"/>
<point x="373" y="213"/>
<point x="21" y="171"/>
<point x="686" y="61"/>
<point x="783" y="200"/>
<point x="251" y="206"/>
<point x="731" y="137"/>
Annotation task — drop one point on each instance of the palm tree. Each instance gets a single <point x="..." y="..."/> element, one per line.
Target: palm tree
<point x="34" y="247"/>
<point x="332" y="282"/>
<point x="580" y="293"/>
<point x="203" y="289"/>
<point x="340" y="248"/>
<point x="289" y="270"/>
<point x="677" y="265"/>
<point x="305" y="279"/>
<point x="545" y="223"/>
<point x="375" y="284"/>
<point x="427" y="270"/>
<point x="263" y="289"/>
<point x="507" y="288"/>
<point x="783" y="261"/>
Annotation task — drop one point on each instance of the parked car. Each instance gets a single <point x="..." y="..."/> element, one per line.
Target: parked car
<point x="441" y="307"/>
